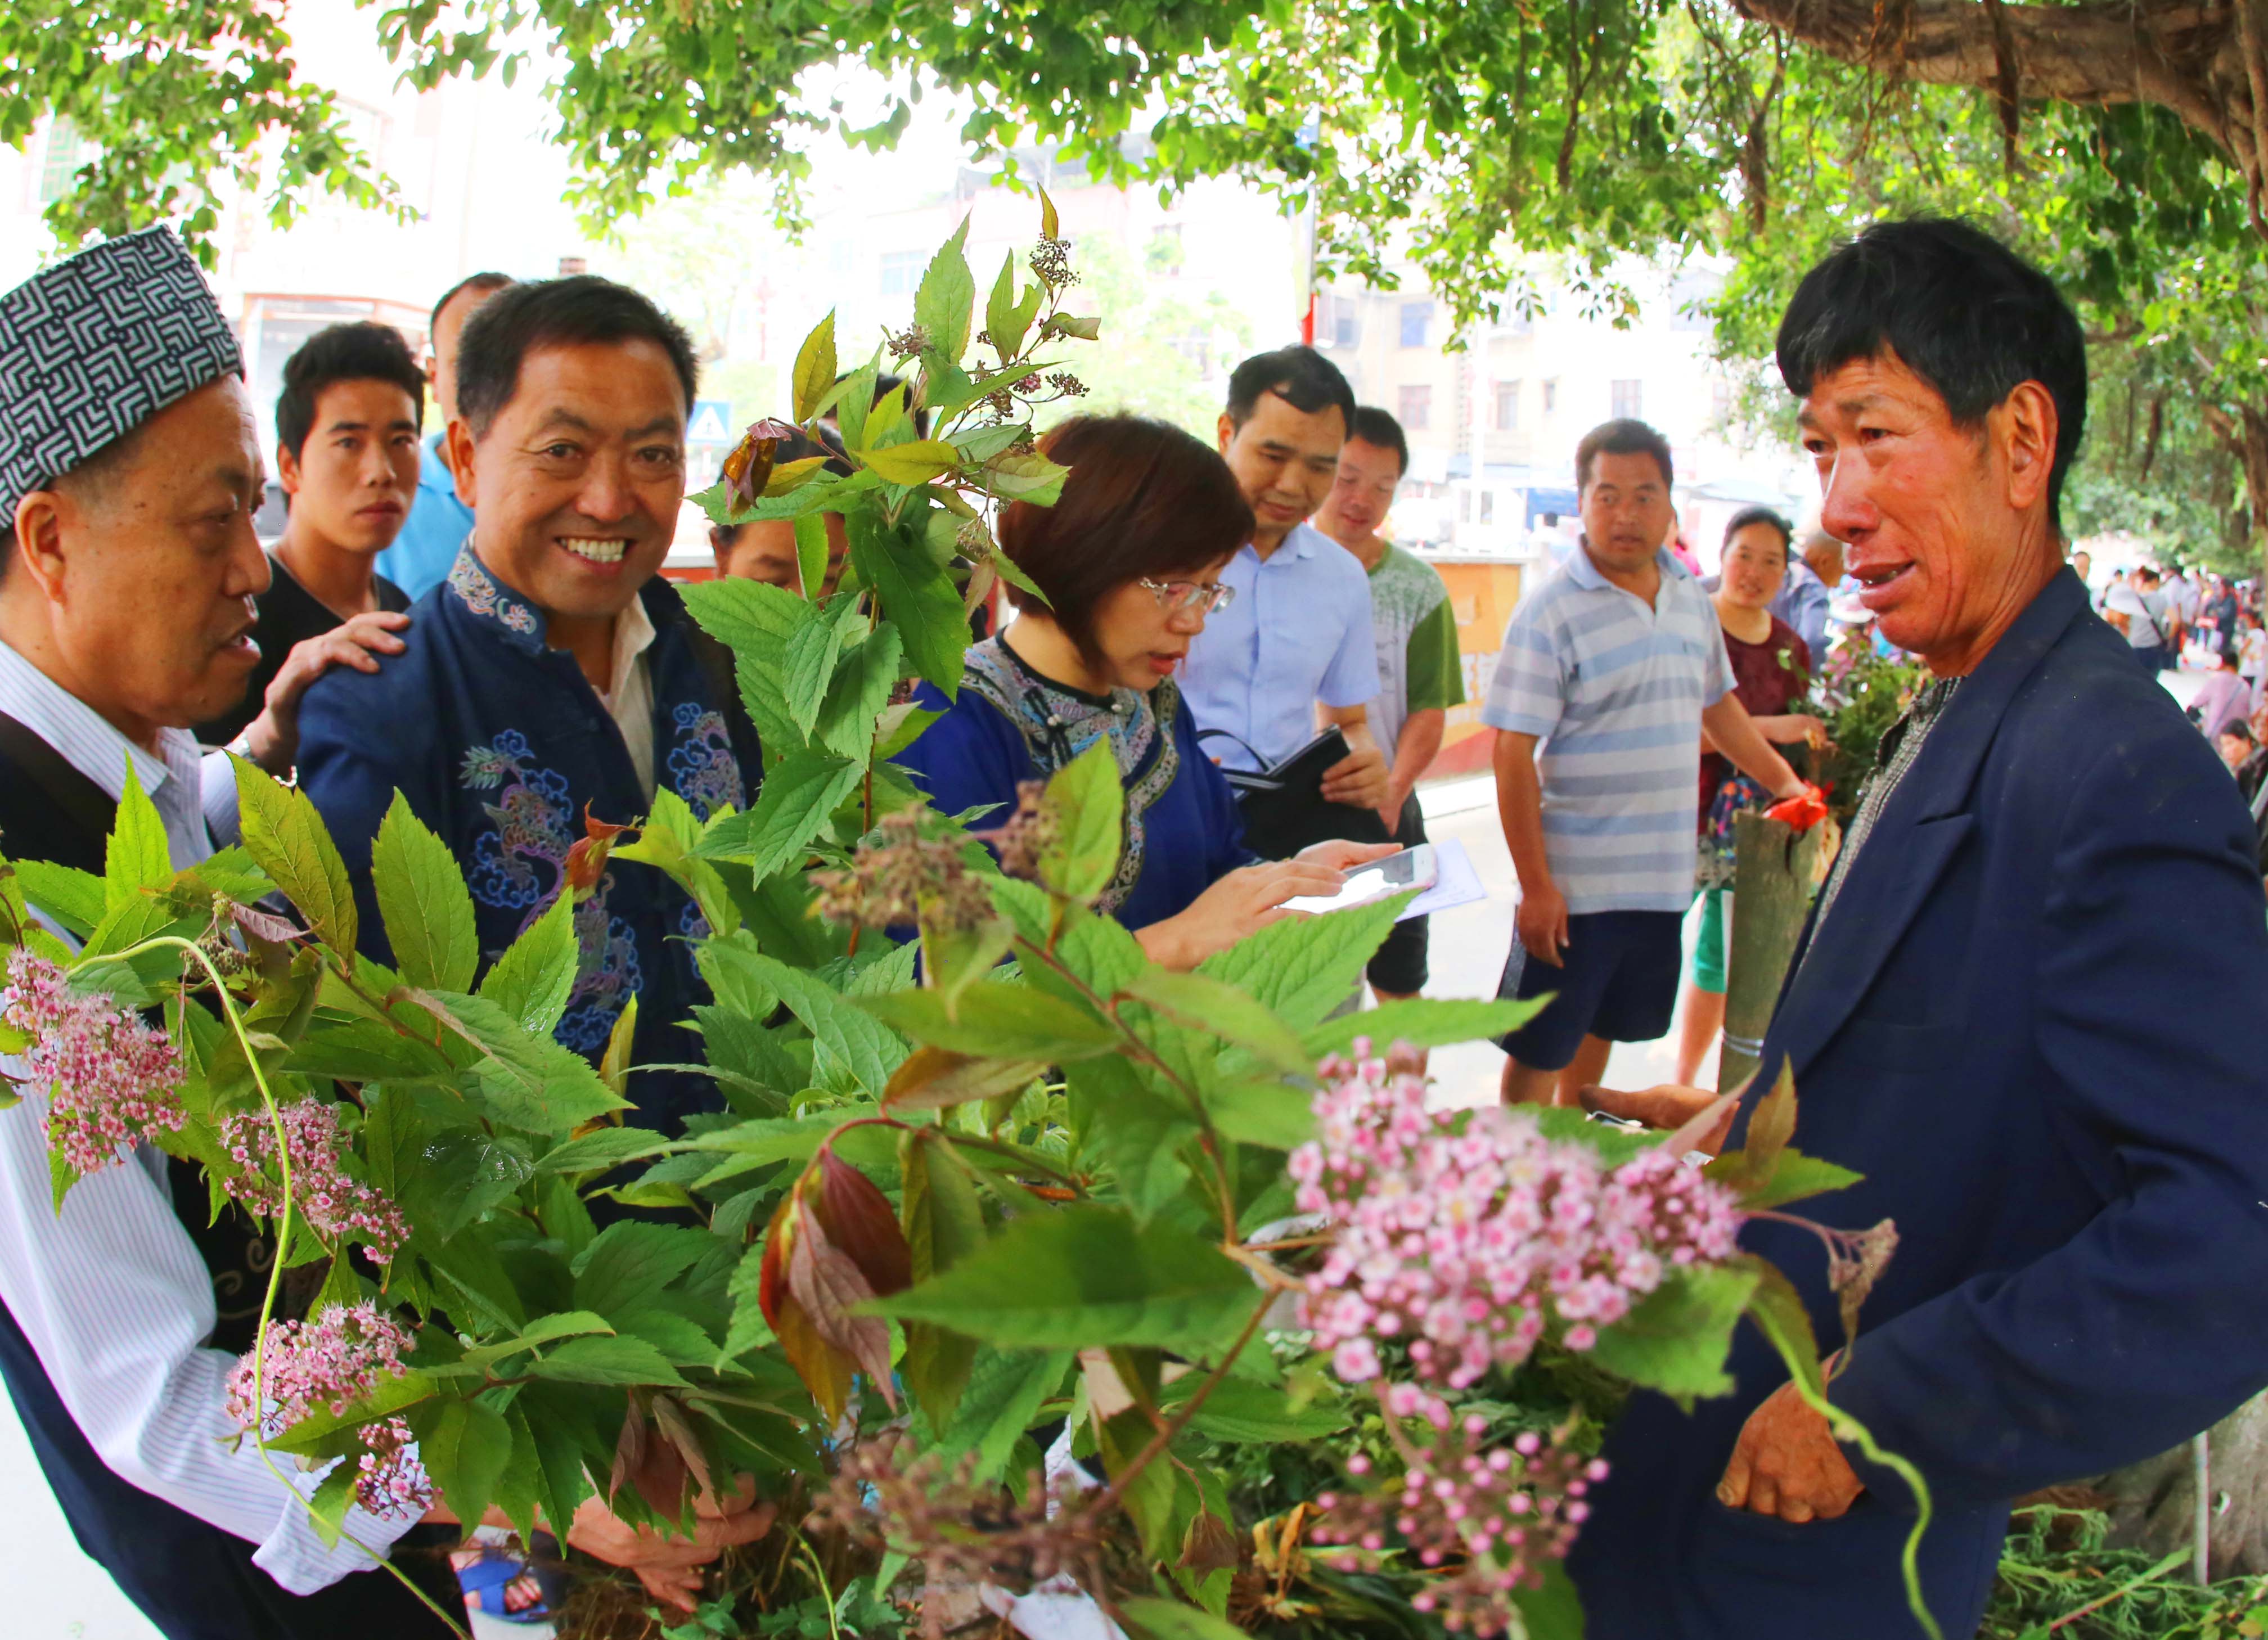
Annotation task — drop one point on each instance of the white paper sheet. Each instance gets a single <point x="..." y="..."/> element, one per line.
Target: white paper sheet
<point x="1455" y="882"/>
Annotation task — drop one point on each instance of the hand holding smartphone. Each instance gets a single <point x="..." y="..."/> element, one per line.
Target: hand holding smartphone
<point x="1412" y="868"/>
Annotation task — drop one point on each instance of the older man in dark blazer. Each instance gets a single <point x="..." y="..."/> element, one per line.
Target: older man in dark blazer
<point x="2047" y="878"/>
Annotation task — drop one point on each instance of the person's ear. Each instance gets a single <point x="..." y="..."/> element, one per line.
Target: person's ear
<point x="41" y="518"/>
<point x="2024" y="425"/>
<point x="287" y="468"/>
<point x="460" y="448"/>
<point x="1225" y="429"/>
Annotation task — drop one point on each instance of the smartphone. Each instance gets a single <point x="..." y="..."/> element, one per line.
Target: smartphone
<point x="1412" y="868"/>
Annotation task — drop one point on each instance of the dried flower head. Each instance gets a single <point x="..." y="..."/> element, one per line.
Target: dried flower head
<point x="748" y="466"/>
<point x="1023" y="840"/>
<point x="901" y="877"/>
<point x="335" y="1204"/>
<point x="111" y="1080"/>
<point x="1470" y="1243"/>
<point x="1051" y="264"/>
<point x="1856" y="1259"/>
<point x="1066" y="385"/>
<point x="963" y="1533"/>
<point x="1485" y="1513"/>
<point x="974" y="540"/>
<point x="912" y="340"/>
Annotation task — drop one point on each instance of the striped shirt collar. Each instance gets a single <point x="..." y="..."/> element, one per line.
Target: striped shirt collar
<point x="1583" y="572"/>
<point x="173" y="779"/>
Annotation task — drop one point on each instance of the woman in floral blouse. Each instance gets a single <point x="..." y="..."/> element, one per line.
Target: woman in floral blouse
<point x="1772" y="670"/>
<point x="1128" y="561"/>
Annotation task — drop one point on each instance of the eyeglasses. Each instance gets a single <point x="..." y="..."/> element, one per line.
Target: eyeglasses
<point x="1179" y="597"/>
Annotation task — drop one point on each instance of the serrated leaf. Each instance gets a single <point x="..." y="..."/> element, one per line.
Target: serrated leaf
<point x="935" y="1079"/>
<point x="632" y="1261"/>
<point x="800" y="793"/>
<point x="529" y="1081"/>
<point x="1201" y="1002"/>
<point x="1001" y="321"/>
<point x="288" y="840"/>
<point x="464" y="1445"/>
<point x="847" y="1037"/>
<point x="1275" y="1115"/>
<point x="74" y="898"/>
<point x="946" y="296"/>
<point x="944" y="1223"/>
<point x="814" y="368"/>
<point x="1303" y="967"/>
<point x="1086" y="1276"/>
<point x="602" y="1360"/>
<point x="1422" y="1022"/>
<point x="1169" y="1619"/>
<point x="609" y="1147"/>
<point x="424" y="903"/>
<point x="136" y="857"/>
<point x="1240" y="1410"/>
<point x="533" y="978"/>
<point x="1050" y="224"/>
<point x="543" y="1330"/>
<point x="856" y="695"/>
<point x="919" y="598"/>
<point x="1006" y="1390"/>
<point x="811" y="548"/>
<point x="1676" y="1340"/>
<point x="999" y="1021"/>
<point x="1087" y="799"/>
<point x="1778" y="1312"/>
<point x="808" y="666"/>
<point x="915" y="461"/>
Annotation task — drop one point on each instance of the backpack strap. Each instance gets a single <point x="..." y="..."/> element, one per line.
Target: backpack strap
<point x="54" y="812"/>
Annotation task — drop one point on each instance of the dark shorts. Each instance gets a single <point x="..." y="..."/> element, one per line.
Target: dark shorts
<point x="1620" y="983"/>
<point x="1399" y="967"/>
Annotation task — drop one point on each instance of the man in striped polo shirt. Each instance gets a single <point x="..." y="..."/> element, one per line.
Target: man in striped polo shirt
<point x="1610" y="673"/>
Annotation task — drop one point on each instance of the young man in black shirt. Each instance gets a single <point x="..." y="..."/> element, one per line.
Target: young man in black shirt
<point x="347" y="454"/>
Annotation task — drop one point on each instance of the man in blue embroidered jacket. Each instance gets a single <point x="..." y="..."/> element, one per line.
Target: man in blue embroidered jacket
<point x="554" y="675"/>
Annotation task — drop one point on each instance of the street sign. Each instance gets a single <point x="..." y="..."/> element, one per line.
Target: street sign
<point x="712" y="422"/>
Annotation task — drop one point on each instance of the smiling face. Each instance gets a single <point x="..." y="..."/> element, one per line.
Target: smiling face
<point x="1137" y="642"/>
<point x="1627" y="511"/>
<point x="132" y="586"/>
<point x="1947" y="526"/>
<point x="1362" y="493"/>
<point x="1756" y="566"/>
<point x="577" y="483"/>
<point x="1285" y="460"/>
<point x="353" y="479"/>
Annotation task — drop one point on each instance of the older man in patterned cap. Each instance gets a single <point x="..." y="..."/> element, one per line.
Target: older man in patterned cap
<point x="129" y="474"/>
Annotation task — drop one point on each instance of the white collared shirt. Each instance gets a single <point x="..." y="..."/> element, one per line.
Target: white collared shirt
<point x="111" y="1293"/>
<point x="628" y="694"/>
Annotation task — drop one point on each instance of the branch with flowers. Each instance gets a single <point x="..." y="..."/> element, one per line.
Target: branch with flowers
<point x="1009" y="1265"/>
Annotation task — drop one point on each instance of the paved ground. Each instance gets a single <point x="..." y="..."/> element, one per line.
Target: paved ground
<point x="54" y="1592"/>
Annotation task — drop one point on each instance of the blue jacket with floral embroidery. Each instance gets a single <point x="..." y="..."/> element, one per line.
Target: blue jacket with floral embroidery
<point x="500" y="745"/>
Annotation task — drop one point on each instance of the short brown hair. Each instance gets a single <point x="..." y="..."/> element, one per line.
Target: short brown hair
<point x="1144" y="498"/>
<point x="1624" y="436"/>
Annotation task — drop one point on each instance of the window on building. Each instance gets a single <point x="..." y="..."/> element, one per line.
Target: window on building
<point x="1550" y="396"/>
<point x="1507" y="406"/>
<point x="1346" y="322"/>
<point x="1488" y="506"/>
<point x="1464" y="506"/>
<point x="901" y="271"/>
<point x="66" y="152"/>
<point x="1414" y="406"/>
<point x="1417" y="323"/>
<point x="1627" y="401"/>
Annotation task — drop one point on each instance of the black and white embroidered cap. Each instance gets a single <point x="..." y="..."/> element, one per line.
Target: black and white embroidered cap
<point x="95" y="346"/>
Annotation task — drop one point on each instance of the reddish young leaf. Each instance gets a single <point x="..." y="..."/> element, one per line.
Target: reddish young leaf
<point x="587" y="860"/>
<point x="825" y="1371"/>
<point x="630" y="1447"/>
<point x="677" y="1428"/>
<point x="829" y="1288"/>
<point x="265" y="924"/>
<point x="861" y="1224"/>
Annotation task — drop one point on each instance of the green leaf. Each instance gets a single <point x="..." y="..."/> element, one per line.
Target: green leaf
<point x="1087" y="798"/>
<point x="943" y="1219"/>
<point x="288" y="841"/>
<point x="1778" y="1312"/>
<point x="944" y="303"/>
<point x="631" y="1263"/>
<point x="1554" y="1611"/>
<point x="424" y="903"/>
<point x="811" y="554"/>
<point x="74" y="898"/>
<point x="809" y="666"/>
<point x="462" y="1172"/>
<point x="860" y="688"/>
<point x="799" y="794"/>
<point x="529" y="1081"/>
<point x="1794" y="1177"/>
<point x="814" y="368"/>
<point x="996" y="1020"/>
<point x="464" y="1445"/>
<point x="1203" y="1002"/>
<point x="1274" y="1115"/>
<point x="1169" y="1620"/>
<point x="1086" y="1276"/>
<point x="1001" y="320"/>
<point x="1422" y="1022"/>
<point x="1031" y="478"/>
<point x="756" y="621"/>
<point x="600" y="1360"/>
<point x="593" y="1153"/>
<point x="532" y="980"/>
<point x="918" y="596"/>
<point x="136" y="856"/>
<point x="1676" y="1339"/>
<point x="1303" y="967"/>
<point x="543" y="1330"/>
<point x="1239" y="1410"/>
<point x="915" y="462"/>
<point x="849" y="1040"/>
<point x="393" y="1394"/>
<point x="328" y="1509"/>
<point x="1006" y="1388"/>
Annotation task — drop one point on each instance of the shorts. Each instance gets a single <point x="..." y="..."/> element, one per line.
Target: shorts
<point x="1709" y="953"/>
<point x="1399" y="967"/>
<point x="1619" y="982"/>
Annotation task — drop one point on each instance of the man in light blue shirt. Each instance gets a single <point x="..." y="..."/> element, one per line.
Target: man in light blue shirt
<point x="1610" y="673"/>
<point x="438" y="522"/>
<point x="1297" y="636"/>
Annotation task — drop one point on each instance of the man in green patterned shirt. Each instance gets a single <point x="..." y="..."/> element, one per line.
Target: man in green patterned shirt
<point x="1418" y="672"/>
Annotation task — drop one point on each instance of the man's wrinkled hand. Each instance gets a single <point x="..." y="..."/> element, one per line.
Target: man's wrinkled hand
<point x="1667" y="1107"/>
<point x="670" y="1568"/>
<point x="1787" y="1463"/>
<point x="273" y="737"/>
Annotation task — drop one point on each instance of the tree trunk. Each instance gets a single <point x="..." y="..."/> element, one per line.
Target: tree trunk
<point x="2207" y="62"/>
<point x="2245" y="434"/>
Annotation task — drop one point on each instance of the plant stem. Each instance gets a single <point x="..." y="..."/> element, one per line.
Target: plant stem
<point x="1165" y="1438"/>
<point x="2123" y="1589"/>
<point x="259" y="1430"/>
<point x="826" y="1591"/>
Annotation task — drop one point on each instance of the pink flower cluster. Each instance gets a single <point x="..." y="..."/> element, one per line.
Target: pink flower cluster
<point x="1486" y="1516"/>
<point x="1471" y="1242"/>
<point x="111" y="1080"/>
<point x="329" y="1364"/>
<point x="334" y="1202"/>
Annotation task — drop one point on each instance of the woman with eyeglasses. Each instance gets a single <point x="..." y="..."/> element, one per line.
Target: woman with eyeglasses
<point x="1127" y="561"/>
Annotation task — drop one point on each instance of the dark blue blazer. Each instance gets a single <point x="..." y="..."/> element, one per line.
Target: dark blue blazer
<point x="2031" y="1019"/>
<point x="501" y="745"/>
